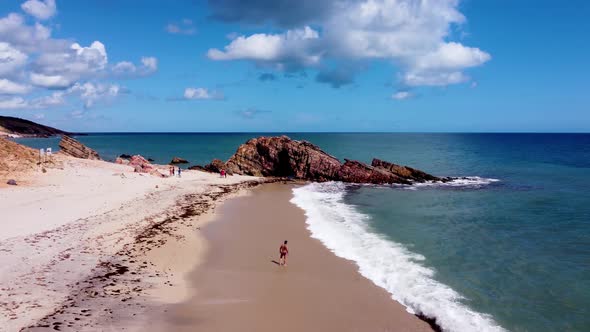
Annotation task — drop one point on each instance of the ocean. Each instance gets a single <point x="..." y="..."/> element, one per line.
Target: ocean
<point x="506" y="249"/>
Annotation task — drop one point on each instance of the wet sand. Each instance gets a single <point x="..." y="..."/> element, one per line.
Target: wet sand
<point x="240" y="287"/>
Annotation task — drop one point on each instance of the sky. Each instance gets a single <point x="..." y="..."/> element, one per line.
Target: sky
<point x="297" y="66"/>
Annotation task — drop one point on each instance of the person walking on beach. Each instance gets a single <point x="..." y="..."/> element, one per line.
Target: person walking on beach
<point x="222" y="173"/>
<point x="179" y="171"/>
<point x="171" y="170"/>
<point x="283" y="251"/>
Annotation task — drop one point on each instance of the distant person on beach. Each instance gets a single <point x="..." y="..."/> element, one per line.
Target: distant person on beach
<point x="179" y="171"/>
<point x="222" y="173"/>
<point x="283" y="251"/>
<point x="171" y="170"/>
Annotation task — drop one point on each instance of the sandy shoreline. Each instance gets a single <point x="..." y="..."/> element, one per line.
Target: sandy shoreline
<point x="81" y="244"/>
<point x="239" y="287"/>
<point x="93" y="246"/>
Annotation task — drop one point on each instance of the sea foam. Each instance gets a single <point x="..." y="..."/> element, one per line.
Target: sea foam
<point x="346" y="232"/>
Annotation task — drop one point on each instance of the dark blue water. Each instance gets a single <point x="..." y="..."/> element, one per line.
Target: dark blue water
<point x="517" y="249"/>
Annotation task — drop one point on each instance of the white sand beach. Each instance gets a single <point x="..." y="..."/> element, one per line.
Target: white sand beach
<point x="67" y="225"/>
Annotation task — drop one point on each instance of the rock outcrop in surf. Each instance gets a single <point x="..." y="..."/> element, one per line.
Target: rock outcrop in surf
<point x="285" y="157"/>
<point x="178" y="160"/>
<point x="74" y="148"/>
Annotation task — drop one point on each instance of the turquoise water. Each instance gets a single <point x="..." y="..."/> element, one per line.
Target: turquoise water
<point x="513" y="253"/>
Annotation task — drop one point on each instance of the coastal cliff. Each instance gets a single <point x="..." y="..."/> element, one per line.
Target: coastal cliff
<point x="285" y="157"/>
<point x="15" y="127"/>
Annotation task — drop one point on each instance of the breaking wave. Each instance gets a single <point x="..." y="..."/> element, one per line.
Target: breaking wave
<point x="346" y="232"/>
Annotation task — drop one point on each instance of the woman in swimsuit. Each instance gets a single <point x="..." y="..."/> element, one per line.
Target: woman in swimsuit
<point x="283" y="251"/>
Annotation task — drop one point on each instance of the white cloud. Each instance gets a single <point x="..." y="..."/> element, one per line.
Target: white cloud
<point x="148" y="66"/>
<point x="42" y="10"/>
<point x="201" y="94"/>
<point x="426" y="78"/>
<point x="290" y="49"/>
<point x="401" y="95"/>
<point x="451" y="56"/>
<point x="50" y="81"/>
<point x="150" y="63"/>
<point x="11" y="59"/>
<point x="124" y="67"/>
<point x="13" y="103"/>
<point x="58" y="70"/>
<point x="8" y="87"/>
<point x="32" y="62"/>
<point x="91" y="93"/>
<point x="412" y="34"/>
<point x="52" y="100"/>
<point x="14" y="30"/>
<point x="94" y="56"/>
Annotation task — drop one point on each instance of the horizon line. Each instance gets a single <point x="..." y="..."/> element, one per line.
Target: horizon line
<point x="330" y="132"/>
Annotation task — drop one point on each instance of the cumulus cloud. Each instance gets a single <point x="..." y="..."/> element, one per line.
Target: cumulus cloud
<point x="33" y="64"/>
<point x="11" y="59"/>
<point x="50" y="81"/>
<point x="91" y="93"/>
<point x="27" y="38"/>
<point x="8" y="87"/>
<point x="201" y="94"/>
<point x="13" y="103"/>
<point x="41" y="10"/>
<point x="58" y="70"/>
<point x="401" y="95"/>
<point x="426" y="78"/>
<point x="286" y="51"/>
<point x="16" y="103"/>
<point x="184" y="27"/>
<point x="148" y="66"/>
<point x="411" y="34"/>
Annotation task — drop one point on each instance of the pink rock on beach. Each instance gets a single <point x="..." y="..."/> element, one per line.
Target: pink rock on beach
<point x="140" y="164"/>
<point x="121" y="161"/>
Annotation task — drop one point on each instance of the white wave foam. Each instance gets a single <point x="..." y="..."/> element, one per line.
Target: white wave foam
<point x="345" y="231"/>
<point x="469" y="182"/>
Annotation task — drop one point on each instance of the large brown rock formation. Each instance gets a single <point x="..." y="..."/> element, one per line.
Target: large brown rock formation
<point x="72" y="147"/>
<point x="284" y="157"/>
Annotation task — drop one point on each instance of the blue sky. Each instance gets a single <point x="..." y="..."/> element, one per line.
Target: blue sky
<point x="281" y="65"/>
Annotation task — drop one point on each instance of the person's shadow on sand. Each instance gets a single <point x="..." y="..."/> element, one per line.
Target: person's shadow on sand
<point x="275" y="262"/>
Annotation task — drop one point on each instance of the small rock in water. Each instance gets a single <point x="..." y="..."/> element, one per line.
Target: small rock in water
<point x="11" y="182"/>
<point x="177" y="160"/>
